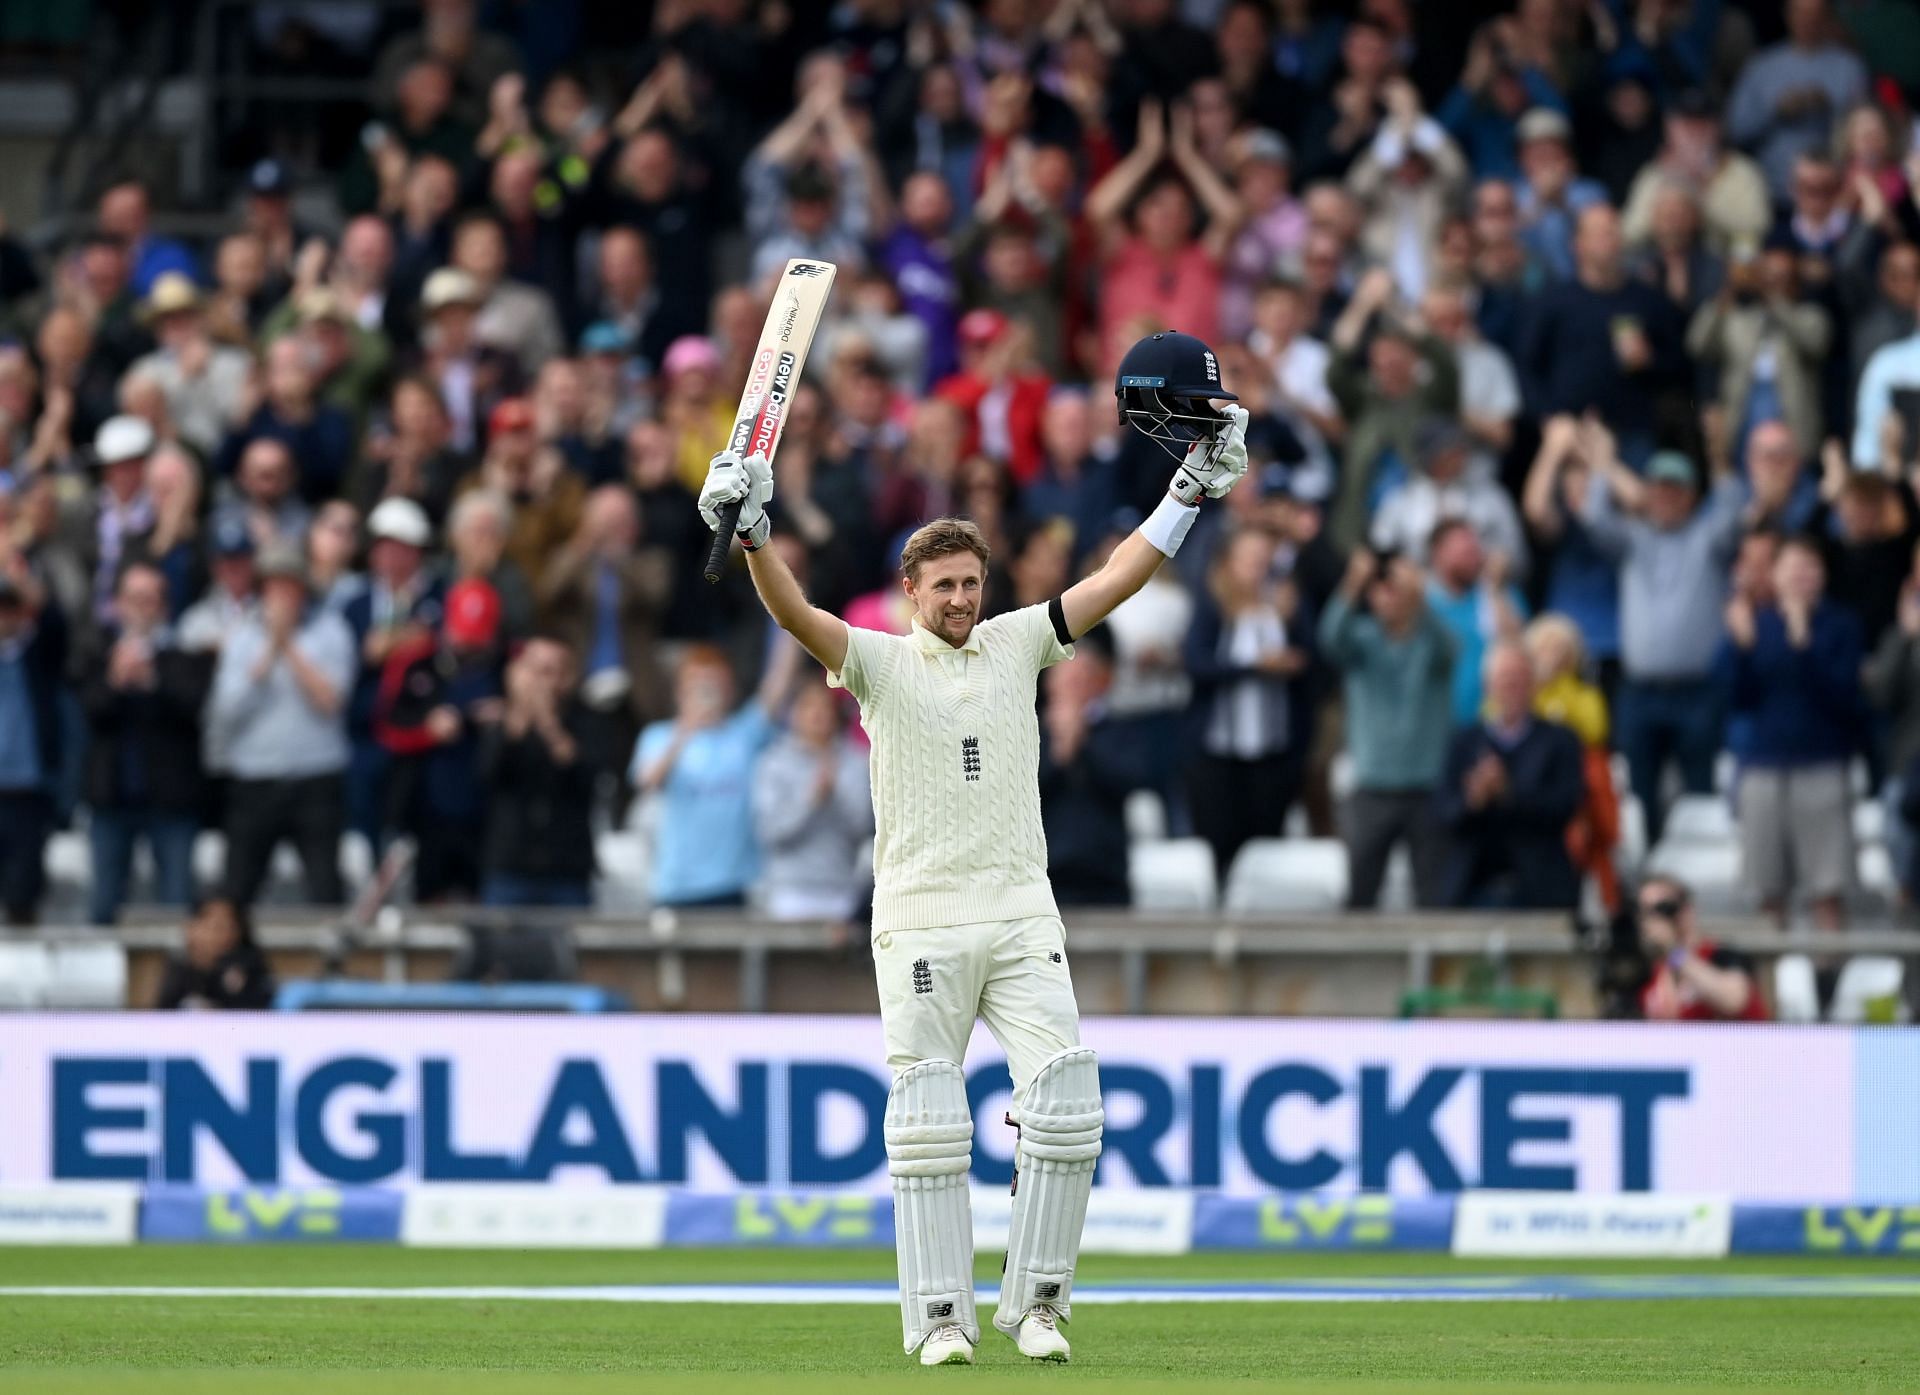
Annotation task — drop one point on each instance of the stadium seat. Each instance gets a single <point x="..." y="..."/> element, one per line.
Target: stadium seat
<point x="1701" y="818"/>
<point x="209" y="858"/>
<point x="1726" y="767"/>
<point x="1340" y="775"/>
<point x="89" y="975"/>
<point x="1396" y="891"/>
<point x="1796" y="995"/>
<point x="1869" y="822"/>
<point x="24" y="971"/>
<point x="1146" y="815"/>
<point x="1174" y="874"/>
<point x="356" y="862"/>
<point x="1633" y="831"/>
<point x="1288" y="874"/>
<point x="1711" y="869"/>
<point x="1875" y="871"/>
<point x="1870" y="990"/>
<point x="622" y="859"/>
<point x="68" y="861"/>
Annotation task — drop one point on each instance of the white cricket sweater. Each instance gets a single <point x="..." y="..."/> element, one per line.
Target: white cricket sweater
<point x="955" y="769"/>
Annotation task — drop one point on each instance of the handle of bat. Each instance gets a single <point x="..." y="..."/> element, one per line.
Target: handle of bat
<point x="722" y="540"/>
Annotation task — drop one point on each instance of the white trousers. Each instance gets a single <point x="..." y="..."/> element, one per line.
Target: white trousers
<point x="1010" y="974"/>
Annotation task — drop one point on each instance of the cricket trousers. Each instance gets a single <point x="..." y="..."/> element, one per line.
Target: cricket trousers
<point x="1011" y="974"/>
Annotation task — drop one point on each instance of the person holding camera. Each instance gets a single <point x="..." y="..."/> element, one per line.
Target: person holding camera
<point x="1691" y="978"/>
<point x="1397" y="660"/>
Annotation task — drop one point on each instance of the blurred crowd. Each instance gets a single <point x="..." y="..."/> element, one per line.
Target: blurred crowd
<point x="1580" y="342"/>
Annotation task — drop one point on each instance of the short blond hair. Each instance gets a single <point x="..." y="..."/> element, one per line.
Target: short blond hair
<point x="942" y="538"/>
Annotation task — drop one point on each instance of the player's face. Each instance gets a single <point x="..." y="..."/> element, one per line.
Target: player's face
<point x="947" y="595"/>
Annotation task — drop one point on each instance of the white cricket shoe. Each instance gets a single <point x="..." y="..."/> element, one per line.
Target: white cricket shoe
<point x="946" y="1346"/>
<point x="1040" y="1336"/>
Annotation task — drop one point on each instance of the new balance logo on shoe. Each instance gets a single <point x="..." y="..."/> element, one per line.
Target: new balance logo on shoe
<point x="970" y="757"/>
<point x="922" y="976"/>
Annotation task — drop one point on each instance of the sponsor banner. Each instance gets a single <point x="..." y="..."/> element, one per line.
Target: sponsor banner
<point x="854" y="1219"/>
<point x="1254" y="1108"/>
<point x="526" y="1218"/>
<point x="281" y="1215"/>
<point x="1826" y="1230"/>
<point x="1322" y="1223"/>
<point x="1514" y="1225"/>
<point x="1118" y="1222"/>
<point x="100" y="1213"/>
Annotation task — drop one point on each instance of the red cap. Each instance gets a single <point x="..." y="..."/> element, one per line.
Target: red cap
<point x="473" y="614"/>
<point x="978" y="327"/>
<point x="510" y="414"/>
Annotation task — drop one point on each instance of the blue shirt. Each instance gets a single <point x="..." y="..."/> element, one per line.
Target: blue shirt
<point x="706" y="846"/>
<point x="19" y="732"/>
<point x="1469" y="619"/>
<point x="1583" y="584"/>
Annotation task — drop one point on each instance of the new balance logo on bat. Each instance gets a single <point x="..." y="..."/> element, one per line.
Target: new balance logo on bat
<point x="970" y="757"/>
<point x="807" y="269"/>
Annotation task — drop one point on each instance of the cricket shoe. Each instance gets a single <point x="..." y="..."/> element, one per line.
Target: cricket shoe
<point x="946" y="1346"/>
<point x="1040" y="1336"/>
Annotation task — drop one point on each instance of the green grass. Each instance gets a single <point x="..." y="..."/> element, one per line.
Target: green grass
<point x="291" y="1346"/>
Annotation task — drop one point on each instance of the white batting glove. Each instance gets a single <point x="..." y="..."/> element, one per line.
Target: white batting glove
<point x="751" y="482"/>
<point x="1212" y="468"/>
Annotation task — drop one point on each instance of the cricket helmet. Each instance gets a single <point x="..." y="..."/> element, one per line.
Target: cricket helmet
<point x="1166" y="388"/>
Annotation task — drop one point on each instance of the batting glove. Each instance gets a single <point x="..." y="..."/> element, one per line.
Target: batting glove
<point x="1213" y="467"/>
<point x="749" y="481"/>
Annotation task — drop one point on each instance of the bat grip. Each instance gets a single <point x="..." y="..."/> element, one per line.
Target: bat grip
<point x="722" y="540"/>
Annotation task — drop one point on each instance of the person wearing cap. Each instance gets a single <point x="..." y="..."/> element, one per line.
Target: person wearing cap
<point x="235" y="593"/>
<point x="143" y="695"/>
<point x="1552" y="193"/>
<point x="693" y="404"/>
<point x="614" y="381"/>
<point x="806" y="182"/>
<point x="1001" y="391"/>
<point x="1673" y="552"/>
<point x="1450" y="481"/>
<point x="268" y="215"/>
<point x="403" y="600"/>
<point x="350" y="362"/>
<point x="546" y="498"/>
<point x="434" y="691"/>
<point x="470" y="376"/>
<point x="125" y="510"/>
<point x="205" y="382"/>
<point x="278" y="714"/>
<point x="1735" y="207"/>
<point x="1275" y="230"/>
<point x="33" y="654"/>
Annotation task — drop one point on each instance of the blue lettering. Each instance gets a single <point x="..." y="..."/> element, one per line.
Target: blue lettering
<point x="1265" y="1091"/>
<point x="1637" y="1091"/>
<point x="1204" y="1125"/>
<point x="808" y="1082"/>
<point x="439" y="1160"/>
<point x="579" y="1086"/>
<point x="75" y="1117"/>
<point x="249" y="1132"/>
<point x="1135" y="1142"/>
<point x="387" y="1130"/>
<point x="1386" y="1132"/>
<point x="739" y="1138"/>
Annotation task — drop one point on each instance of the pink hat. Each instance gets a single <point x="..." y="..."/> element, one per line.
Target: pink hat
<point x="689" y="351"/>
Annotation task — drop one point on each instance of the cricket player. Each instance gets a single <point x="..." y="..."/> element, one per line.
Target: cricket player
<point x="964" y="921"/>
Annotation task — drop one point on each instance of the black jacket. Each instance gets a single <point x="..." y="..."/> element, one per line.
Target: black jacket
<point x="240" y="978"/>
<point x="537" y="809"/>
<point x="1082" y="809"/>
<point x="143" y="746"/>
<point x="44" y="659"/>
<point x="1513" y="852"/>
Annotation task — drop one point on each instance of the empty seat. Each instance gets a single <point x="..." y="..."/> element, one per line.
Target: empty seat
<point x="1700" y="818"/>
<point x="1870" y="990"/>
<point x="1633" y="831"/>
<point x="1875" y="869"/>
<point x="356" y="861"/>
<point x="1288" y="874"/>
<point x="1796" y="996"/>
<point x="622" y="859"/>
<point x="1340" y="775"/>
<point x="24" y="971"/>
<point x="1146" y="815"/>
<point x="1396" y="890"/>
<point x="209" y="858"/>
<point x="87" y="974"/>
<point x="1175" y="874"/>
<point x="1869" y="822"/>
<point x="1711" y="869"/>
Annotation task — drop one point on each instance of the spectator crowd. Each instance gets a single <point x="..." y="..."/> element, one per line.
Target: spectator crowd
<point x="1580" y="341"/>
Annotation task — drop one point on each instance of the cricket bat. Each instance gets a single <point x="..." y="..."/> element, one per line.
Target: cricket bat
<point x="777" y="361"/>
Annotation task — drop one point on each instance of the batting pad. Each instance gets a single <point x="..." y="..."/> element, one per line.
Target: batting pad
<point x="929" y="1149"/>
<point x="1060" y="1125"/>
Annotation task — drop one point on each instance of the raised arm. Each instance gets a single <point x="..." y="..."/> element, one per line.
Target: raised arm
<point x="821" y="633"/>
<point x="1225" y="212"/>
<point x="1111" y="195"/>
